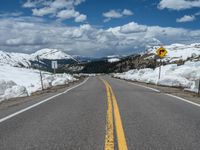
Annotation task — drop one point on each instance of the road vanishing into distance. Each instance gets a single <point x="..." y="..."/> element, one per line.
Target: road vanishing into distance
<point x="102" y="113"/>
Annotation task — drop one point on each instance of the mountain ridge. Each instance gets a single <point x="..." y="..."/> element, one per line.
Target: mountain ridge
<point x="25" y="60"/>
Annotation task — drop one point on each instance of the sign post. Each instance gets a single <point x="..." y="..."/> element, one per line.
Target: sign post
<point x="160" y="69"/>
<point x="40" y="74"/>
<point x="199" y="88"/>
<point x="161" y="52"/>
<point x="54" y="66"/>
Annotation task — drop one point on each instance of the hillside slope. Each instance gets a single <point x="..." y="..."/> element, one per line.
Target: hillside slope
<point x="30" y="60"/>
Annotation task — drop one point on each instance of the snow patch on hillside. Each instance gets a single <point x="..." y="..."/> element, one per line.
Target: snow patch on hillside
<point x="51" y="54"/>
<point x="15" y="59"/>
<point x="112" y="60"/>
<point x="24" y="60"/>
<point x="178" y="51"/>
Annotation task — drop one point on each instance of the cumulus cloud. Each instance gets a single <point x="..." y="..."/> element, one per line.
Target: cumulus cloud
<point x="61" y="9"/>
<point x="116" y="14"/>
<point x="71" y="13"/>
<point x="43" y="11"/>
<point x="178" y="4"/>
<point x="66" y="14"/>
<point x="186" y="18"/>
<point x="133" y="28"/>
<point x="28" y="34"/>
<point x="127" y="12"/>
<point x="80" y="18"/>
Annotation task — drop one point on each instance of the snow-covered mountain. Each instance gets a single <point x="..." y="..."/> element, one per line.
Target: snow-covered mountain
<point x="26" y="60"/>
<point x="15" y="59"/>
<point x="51" y="54"/>
<point x="178" y="52"/>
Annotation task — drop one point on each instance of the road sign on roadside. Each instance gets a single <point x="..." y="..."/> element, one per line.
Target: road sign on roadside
<point x="161" y="52"/>
<point x="54" y="64"/>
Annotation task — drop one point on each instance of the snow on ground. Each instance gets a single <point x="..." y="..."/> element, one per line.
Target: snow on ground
<point x="112" y="60"/>
<point x="19" y="82"/>
<point x="179" y="51"/>
<point x="185" y="76"/>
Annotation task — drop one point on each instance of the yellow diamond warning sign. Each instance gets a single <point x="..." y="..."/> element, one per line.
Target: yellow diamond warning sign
<point x="161" y="52"/>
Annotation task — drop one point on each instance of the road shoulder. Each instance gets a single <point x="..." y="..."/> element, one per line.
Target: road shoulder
<point x="179" y="92"/>
<point x="12" y="105"/>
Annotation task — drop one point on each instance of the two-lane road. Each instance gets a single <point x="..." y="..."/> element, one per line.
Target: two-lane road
<point x="104" y="114"/>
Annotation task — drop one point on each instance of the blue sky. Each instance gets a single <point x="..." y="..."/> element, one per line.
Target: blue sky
<point x="97" y="27"/>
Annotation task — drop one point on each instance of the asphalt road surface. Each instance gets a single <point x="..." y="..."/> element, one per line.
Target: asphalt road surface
<point x="103" y="114"/>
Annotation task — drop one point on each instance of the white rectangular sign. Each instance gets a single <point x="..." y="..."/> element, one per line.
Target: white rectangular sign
<point x="54" y="64"/>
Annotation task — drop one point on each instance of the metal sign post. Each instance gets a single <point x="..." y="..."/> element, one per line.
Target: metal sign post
<point x="161" y="52"/>
<point x="199" y="89"/>
<point x="40" y="73"/>
<point x="160" y="69"/>
<point x="54" y="66"/>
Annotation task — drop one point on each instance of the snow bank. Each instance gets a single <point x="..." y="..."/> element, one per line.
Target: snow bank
<point x="15" y="91"/>
<point x="185" y="76"/>
<point x="19" y="82"/>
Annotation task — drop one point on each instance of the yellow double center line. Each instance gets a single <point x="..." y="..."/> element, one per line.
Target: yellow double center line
<point x="113" y="107"/>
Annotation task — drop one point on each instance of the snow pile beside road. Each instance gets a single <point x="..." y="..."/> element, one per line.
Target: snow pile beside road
<point x="15" y="91"/>
<point x="19" y="82"/>
<point x="185" y="76"/>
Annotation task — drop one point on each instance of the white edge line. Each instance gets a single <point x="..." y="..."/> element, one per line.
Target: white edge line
<point x="41" y="102"/>
<point x="182" y="99"/>
<point x="155" y="90"/>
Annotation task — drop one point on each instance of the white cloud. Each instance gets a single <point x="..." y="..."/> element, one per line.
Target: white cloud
<point x="116" y="14"/>
<point x="30" y="4"/>
<point x="112" y="14"/>
<point x="127" y="12"/>
<point x="186" y="18"/>
<point x="71" y="13"/>
<point x="30" y="33"/>
<point x="62" y="9"/>
<point x="66" y="14"/>
<point x="80" y="18"/>
<point x="178" y="4"/>
<point x="133" y="28"/>
<point x="43" y="11"/>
